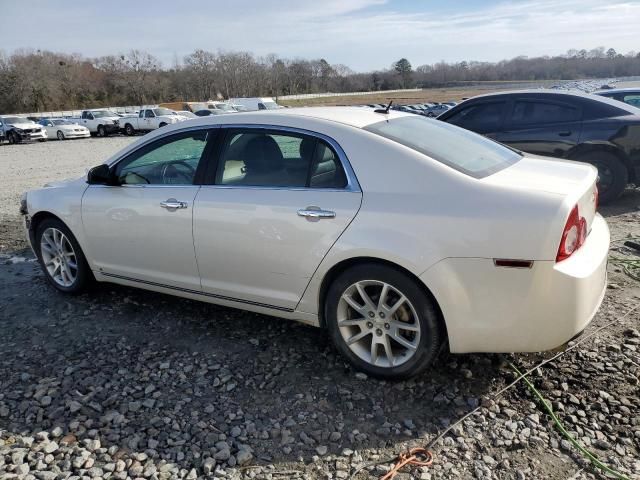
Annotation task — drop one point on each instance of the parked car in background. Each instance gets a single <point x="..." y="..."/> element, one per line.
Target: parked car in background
<point x="294" y="213"/>
<point x="575" y="126"/>
<point x="20" y="129"/>
<point x="186" y="114"/>
<point x="64" y="129"/>
<point x="196" y="106"/>
<point x="626" y="95"/>
<point x="208" y="112"/>
<point x="3" y="135"/>
<point x="436" y="110"/>
<point x="100" y="122"/>
<point x="255" y="103"/>
<point x="149" y="119"/>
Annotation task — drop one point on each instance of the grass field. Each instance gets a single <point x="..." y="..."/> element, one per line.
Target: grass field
<point x="445" y="94"/>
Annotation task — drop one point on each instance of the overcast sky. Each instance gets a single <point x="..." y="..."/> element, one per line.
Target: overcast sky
<point x="362" y="34"/>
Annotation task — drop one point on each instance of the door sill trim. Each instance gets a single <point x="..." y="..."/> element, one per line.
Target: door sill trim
<point x="198" y="292"/>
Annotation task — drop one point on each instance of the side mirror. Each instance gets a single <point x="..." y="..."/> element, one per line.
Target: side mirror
<point x="100" y="175"/>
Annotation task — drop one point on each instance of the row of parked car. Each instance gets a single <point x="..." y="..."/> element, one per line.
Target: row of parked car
<point x="104" y="122"/>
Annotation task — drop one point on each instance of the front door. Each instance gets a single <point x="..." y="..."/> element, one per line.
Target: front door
<point x="141" y="229"/>
<point x="278" y="203"/>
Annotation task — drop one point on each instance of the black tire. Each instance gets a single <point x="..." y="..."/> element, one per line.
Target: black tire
<point x="13" y="138"/>
<point x="162" y="125"/>
<point x="129" y="130"/>
<point x="42" y="140"/>
<point x="613" y="174"/>
<point x="431" y="330"/>
<point x="84" y="278"/>
<point x="60" y="135"/>
<point x="102" y="132"/>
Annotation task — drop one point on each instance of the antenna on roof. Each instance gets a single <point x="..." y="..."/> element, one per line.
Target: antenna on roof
<point x="384" y="110"/>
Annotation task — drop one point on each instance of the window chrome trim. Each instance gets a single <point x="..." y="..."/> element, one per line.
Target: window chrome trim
<point x="352" y="181"/>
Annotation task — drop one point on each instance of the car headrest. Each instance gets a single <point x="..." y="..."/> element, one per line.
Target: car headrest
<point x="262" y="154"/>
<point x="307" y="146"/>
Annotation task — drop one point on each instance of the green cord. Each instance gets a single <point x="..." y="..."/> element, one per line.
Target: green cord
<point x="564" y="432"/>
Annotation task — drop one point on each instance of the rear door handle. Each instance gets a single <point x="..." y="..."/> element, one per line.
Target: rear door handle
<point x="565" y="134"/>
<point x="173" y="204"/>
<point x="315" y="213"/>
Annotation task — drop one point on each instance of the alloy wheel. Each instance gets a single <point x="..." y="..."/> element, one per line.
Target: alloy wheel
<point x="58" y="257"/>
<point x="60" y="135"/>
<point x="378" y="323"/>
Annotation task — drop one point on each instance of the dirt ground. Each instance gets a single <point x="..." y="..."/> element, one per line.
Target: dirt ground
<point x="124" y="383"/>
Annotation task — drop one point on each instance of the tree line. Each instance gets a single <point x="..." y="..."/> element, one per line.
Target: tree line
<point x="35" y="80"/>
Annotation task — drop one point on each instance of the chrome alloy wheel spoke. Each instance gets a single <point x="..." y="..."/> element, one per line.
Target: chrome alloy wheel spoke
<point x="378" y="323"/>
<point x="58" y="257"/>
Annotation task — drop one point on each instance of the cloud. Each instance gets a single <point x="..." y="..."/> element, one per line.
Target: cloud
<point x="363" y="34"/>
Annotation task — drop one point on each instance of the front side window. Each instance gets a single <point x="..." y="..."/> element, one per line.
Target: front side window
<point x="278" y="159"/>
<point x="464" y="151"/>
<point x="170" y="161"/>
<point x="480" y="118"/>
<point x="149" y="114"/>
<point x="529" y="113"/>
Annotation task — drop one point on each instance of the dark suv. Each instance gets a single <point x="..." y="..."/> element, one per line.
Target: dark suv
<point x="587" y="128"/>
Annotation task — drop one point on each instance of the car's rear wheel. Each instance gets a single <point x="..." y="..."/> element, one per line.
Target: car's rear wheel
<point x="613" y="175"/>
<point x="61" y="258"/>
<point x="128" y="129"/>
<point x="383" y="322"/>
<point x="60" y="135"/>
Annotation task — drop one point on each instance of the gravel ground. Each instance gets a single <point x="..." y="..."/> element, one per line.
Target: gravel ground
<point x="122" y="383"/>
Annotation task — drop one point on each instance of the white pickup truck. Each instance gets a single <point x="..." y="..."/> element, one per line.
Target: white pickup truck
<point x="100" y="122"/>
<point x="149" y="119"/>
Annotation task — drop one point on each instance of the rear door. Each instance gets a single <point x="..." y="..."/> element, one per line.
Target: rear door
<point x="543" y="127"/>
<point x="275" y="204"/>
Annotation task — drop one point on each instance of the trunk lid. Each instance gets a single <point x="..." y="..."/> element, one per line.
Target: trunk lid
<point x="574" y="181"/>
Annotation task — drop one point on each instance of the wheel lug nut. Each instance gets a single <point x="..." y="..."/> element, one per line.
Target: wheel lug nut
<point x="378" y="332"/>
<point x="371" y="314"/>
<point x="369" y="324"/>
<point x="387" y="326"/>
<point x="381" y="314"/>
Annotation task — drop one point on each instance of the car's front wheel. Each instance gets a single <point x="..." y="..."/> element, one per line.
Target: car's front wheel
<point x="102" y="132"/>
<point x="61" y="258"/>
<point x="383" y="321"/>
<point x="128" y="129"/>
<point x="60" y="135"/>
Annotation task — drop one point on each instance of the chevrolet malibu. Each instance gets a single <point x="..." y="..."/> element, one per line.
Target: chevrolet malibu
<point x="399" y="234"/>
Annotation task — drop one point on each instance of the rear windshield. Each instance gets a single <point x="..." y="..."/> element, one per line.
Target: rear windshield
<point x="460" y="149"/>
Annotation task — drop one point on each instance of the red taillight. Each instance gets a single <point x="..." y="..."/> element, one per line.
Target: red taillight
<point x="573" y="236"/>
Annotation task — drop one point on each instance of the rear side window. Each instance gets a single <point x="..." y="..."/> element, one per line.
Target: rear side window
<point x="632" y="99"/>
<point x="461" y="150"/>
<point x="278" y="159"/>
<point x="529" y="112"/>
<point x="481" y="118"/>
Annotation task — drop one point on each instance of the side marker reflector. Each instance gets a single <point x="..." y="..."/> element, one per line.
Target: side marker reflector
<point x="502" y="262"/>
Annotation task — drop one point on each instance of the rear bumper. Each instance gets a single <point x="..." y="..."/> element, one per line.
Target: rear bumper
<point x="491" y="309"/>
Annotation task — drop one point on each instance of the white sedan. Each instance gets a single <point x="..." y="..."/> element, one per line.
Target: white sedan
<point x="397" y="233"/>
<point x="64" y="129"/>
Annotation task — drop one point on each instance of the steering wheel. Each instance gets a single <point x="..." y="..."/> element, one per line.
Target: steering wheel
<point x="173" y="176"/>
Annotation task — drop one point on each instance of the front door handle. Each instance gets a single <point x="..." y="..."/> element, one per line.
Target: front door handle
<point x="173" y="204"/>
<point x="315" y="213"/>
<point x="565" y="134"/>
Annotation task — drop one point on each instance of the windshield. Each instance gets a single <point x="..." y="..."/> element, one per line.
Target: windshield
<point x="11" y="120"/>
<point x="61" y="122"/>
<point x="102" y="113"/>
<point x="163" y="111"/>
<point x="460" y="149"/>
<point x="271" y="105"/>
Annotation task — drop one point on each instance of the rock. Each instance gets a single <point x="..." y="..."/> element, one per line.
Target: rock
<point x="50" y="447"/>
<point x="243" y="457"/>
<point x="322" y="450"/>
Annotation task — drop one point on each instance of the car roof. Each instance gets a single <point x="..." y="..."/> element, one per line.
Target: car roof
<point x="353" y="116"/>
<point x="560" y="94"/>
